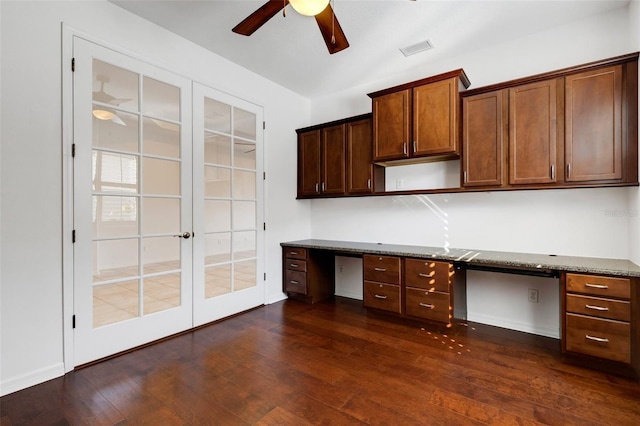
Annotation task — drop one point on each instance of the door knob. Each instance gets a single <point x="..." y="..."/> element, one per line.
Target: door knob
<point x="186" y="235"/>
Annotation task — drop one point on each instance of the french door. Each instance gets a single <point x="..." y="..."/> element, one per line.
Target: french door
<point x="165" y="212"/>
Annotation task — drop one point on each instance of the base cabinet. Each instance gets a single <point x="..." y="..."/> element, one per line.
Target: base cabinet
<point x="306" y="275"/>
<point x="600" y="319"/>
<point x="418" y="288"/>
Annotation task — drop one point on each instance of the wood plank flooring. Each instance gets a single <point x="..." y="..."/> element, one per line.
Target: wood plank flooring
<point x="335" y="364"/>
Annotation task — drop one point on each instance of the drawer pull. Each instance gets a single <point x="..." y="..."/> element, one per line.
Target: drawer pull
<point x="597" y="308"/>
<point x="597" y="339"/>
<point x="294" y="282"/>
<point x="601" y="286"/>
<point x="294" y="265"/>
<point x="427" y="305"/>
<point x="293" y="252"/>
<point x="379" y="296"/>
<point x="380" y="269"/>
<point x="425" y="275"/>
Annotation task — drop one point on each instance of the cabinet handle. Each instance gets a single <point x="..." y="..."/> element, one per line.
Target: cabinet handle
<point x="553" y="172"/>
<point x="317" y="187"/>
<point x="427" y="305"/>
<point x="294" y="265"/>
<point x="322" y="186"/>
<point x="597" y="339"/>
<point x="369" y="183"/>
<point x="569" y="170"/>
<point x="404" y="148"/>
<point x="379" y="296"/>
<point x="464" y="176"/>
<point x="380" y="269"/>
<point x="425" y="275"/>
<point x="604" y="287"/>
<point x="414" y="147"/>
<point x="597" y="308"/>
<point x="293" y="252"/>
<point x="294" y="282"/>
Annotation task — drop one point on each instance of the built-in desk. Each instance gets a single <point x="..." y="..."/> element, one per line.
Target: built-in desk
<point x="600" y="298"/>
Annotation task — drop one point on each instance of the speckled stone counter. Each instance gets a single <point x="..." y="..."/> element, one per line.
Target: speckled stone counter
<point x="474" y="258"/>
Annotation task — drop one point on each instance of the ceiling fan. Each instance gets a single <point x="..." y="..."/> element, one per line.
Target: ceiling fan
<point x="329" y="26"/>
<point x="104" y="112"/>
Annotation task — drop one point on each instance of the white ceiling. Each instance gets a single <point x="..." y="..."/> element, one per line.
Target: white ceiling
<point x="290" y="50"/>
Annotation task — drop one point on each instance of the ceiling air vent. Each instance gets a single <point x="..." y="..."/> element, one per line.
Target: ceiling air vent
<point x="417" y="48"/>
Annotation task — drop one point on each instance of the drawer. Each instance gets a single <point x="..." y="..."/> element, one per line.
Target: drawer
<point x="295" y="253"/>
<point x="432" y="305"/>
<point x="598" y="307"/>
<point x="601" y="338"/>
<point x="598" y="285"/>
<point x="295" y="282"/>
<point x="428" y="275"/>
<point x="385" y="269"/>
<point x="382" y="296"/>
<point x="295" y="264"/>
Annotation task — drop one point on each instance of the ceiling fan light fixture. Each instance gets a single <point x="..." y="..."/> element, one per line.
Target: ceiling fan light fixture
<point x="103" y="114"/>
<point x="309" y="7"/>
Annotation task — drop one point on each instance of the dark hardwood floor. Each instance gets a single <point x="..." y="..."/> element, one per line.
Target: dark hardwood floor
<point x="332" y="363"/>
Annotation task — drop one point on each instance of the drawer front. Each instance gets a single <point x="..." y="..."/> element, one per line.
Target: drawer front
<point x="382" y="296"/>
<point x="295" y="253"/>
<point x="598" y="307"/>
<point x="295" y="264"/>
<point x="384" y="269"/>
<point x="429" y="275"/>
<point x="599" y="286"/>
<point x="429" y="305"/>
<point x="295" y="282"/>
<point x="599" y="337"/>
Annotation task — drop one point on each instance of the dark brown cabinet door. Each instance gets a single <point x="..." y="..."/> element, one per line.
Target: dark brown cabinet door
<point x="593" y="127"/>
<point x="391" y="121"/>
<point x="532" y="133"/>
<point x="359" y="157"/>
<point x="484" y="117"/>
<point x="333" y="160"/>
<point x="309" y="163"/>
<point x="435" y="129"/>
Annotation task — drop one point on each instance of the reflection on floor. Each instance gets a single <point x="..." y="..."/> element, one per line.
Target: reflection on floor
<point x="120" y="301"/>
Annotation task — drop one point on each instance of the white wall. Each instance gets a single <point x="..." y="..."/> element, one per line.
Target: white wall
<point x="568" y="222"/>
<point x="31" y="154"/>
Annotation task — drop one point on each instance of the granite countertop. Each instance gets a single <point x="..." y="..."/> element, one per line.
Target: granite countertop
<point x="481" y="258"/>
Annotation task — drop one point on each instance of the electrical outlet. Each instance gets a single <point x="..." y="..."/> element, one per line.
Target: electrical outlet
<point x="399" y="183"/>
<point x="533" y="295"/>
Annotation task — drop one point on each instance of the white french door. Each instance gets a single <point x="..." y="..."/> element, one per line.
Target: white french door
<point x="132" y="202"/>
<point x="167" y="203"/>
<point x="227" y="202"/>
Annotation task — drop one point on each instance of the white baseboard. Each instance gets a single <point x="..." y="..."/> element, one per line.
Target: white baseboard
<point x="275" y="298"/>
<point x="514" y="325"/>
<point x="24" y="381"/>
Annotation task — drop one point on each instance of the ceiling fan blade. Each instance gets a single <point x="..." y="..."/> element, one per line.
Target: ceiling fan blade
<point x="331" y="31"/>
<point x="258" y="18"/>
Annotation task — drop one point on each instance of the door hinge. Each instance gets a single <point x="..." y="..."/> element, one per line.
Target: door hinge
<point x="265" y="276"/>
<point x="73" y="64"/>
<point x="264" y="175"/>
<point x="264" y="226"/>
<point x="73" y="321"/>
<point x="73" y="150"/>
<point x="73" y="236"/>
<point x="264" y="125"/>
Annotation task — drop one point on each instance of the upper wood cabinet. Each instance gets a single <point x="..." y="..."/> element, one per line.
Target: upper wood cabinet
<point x="567" y="128"/>
<point x="483" y="139"/>
<point x="593" y="125"/>
<point x="418" y="119"/>
<point x="321" y="161"/>
<point x="335" y="159"/>
<point x="532" y="133"/>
